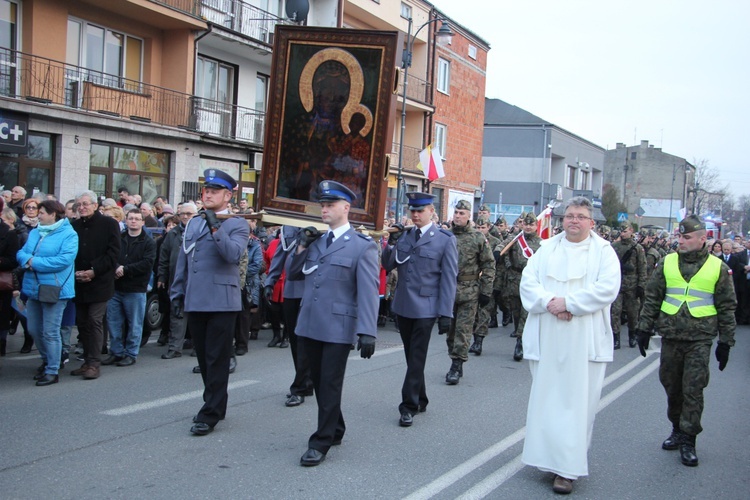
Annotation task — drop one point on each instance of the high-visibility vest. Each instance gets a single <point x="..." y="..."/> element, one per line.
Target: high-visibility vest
<point x="698" y="294"/>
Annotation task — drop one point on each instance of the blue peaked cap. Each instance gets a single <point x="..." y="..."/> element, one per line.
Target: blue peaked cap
<point x="332" y="191"/>
<point x="417" y="200"/>
<point x="218" y="179"/>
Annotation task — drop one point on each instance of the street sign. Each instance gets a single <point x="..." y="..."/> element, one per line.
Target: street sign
<point x="640" y="212"/>
<point x="622" y="216"/>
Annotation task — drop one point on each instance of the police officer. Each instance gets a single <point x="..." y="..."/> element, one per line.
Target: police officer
<point x="690" y="297"/>
<point x="207" y="288"/>
<point x="476" y="272"/>
<point x="484" y="313"/>
<point x="516" y="259"/>
<point x="340" y="302"/>
<point x="427" y="263"/>
<point x="633" y="281"/>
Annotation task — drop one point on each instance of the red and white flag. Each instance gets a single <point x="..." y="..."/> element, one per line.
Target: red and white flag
<point x="431" y="163"/>
<point x="527" y="251"/>
<point x="544" y="224"/>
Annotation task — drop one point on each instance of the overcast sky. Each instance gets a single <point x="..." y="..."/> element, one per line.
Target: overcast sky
<point x="672" y="72"/>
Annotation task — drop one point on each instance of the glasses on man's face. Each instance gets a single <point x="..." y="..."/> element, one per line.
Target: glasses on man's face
<point x="85" y="204"/>
<point x="135" y="219"/>
<point x="577" y="218"/>
<point x="187" y="214"/>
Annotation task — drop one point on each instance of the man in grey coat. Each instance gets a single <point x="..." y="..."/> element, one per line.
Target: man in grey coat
<point x="206" y="286"/>
<point x="340" y="302"/>
<point x="427" y="262"/>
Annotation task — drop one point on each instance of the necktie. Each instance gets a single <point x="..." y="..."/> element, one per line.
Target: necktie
<point x="419" y="233"/>
<point x="329" y="239"/>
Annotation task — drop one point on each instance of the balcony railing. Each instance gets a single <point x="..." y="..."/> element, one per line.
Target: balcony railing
<point x="191" y="7"/>
<point x="411" y="158"/>
<point x="33" y="78"/>
<point x="243" y="18"/>
<point x="417" y="89"/>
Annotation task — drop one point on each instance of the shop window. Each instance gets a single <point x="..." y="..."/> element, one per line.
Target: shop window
<point x="34" y="170"/>
<point x="140" y="171"/>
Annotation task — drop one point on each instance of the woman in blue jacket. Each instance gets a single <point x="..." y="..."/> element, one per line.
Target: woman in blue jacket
<point x="48" y="257"/>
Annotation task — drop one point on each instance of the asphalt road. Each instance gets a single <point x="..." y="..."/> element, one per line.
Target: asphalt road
<point x="126" y="435"/>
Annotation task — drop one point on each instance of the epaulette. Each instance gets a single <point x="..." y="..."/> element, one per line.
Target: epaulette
<point x="447" y="232"/>
<point x="363" y="236"/>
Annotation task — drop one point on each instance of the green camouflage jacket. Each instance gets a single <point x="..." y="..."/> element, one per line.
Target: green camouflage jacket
<point x="634" y="267"/>
<point x="474" y="259"/>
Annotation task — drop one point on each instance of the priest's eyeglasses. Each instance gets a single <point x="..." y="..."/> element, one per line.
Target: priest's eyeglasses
<point x="577" y="218"/>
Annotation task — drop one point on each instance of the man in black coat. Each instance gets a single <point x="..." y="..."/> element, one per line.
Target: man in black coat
<point x="98" y="251"/>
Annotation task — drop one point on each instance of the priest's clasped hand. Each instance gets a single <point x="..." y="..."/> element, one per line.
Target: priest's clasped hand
<point x="556" y="305"/>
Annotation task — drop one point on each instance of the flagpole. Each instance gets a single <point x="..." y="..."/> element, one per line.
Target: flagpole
<point x="510" y="244"/>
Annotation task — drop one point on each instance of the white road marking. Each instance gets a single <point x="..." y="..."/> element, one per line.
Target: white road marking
<point x="177" y="398"/>
<point x="496" y="479"/>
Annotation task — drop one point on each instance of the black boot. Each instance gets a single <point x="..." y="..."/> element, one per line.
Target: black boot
<point x="28" y="343"/>
<point x="477" y="346"/>
<point x="163" y="339"/>
<point x="518" y="351"/>
<point x="617" y="340"/>
<point x="452" y="377"/>
<point x="276" y="340"/>
<point x="687" y="451"/>
<point x="673" y="441"/>
<point x="473" y="348"/>
<point x="507" y="318"/>
<point x="493" y="322"/>
<point x="253" y="334"/>
<point x="631" y="340"/>
<point x="284" y="341"/>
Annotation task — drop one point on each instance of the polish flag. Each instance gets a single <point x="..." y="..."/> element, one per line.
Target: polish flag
<point x="431" y="163"/>
<point x="544" y="224"/>
<point x="527" y="251"/>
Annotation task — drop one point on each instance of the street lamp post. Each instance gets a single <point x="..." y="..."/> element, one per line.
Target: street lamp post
<point x="442" y="34"/>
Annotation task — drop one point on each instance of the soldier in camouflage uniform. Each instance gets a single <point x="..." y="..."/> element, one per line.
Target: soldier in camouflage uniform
<point x="690" y="297"/>
<point x="476" y="271"/>
<point x="484" y="313"/>
<point x="515" y="262"/>
<point x="633" y="267"/>
<point x="499" y="288"/>
<point x="604" y="231"/>
<point x="652" y="254"/>
<point x="484" y="213"/>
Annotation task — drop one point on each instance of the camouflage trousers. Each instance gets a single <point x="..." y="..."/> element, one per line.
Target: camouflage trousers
<point x="484" y="315"/>
<point x="459" y="336"/>
<point x="684" y="374"/>
<point x="519" y="314"/>
<point x="501" y="300"/>
<point x="630" y="302"/>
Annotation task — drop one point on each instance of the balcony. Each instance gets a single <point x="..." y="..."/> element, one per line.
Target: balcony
<point x="411" y="158"/>
<point x="417" y="90"/>
<point x="41" y="80"/>
<point x="191" y="7"/>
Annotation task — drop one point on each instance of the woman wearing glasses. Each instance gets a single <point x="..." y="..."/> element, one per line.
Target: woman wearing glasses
<point x="30" y="216"/>
<point x="48" y="257"/>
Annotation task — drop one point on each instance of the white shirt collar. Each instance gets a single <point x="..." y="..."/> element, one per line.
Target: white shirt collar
<point x="339" y="231"/>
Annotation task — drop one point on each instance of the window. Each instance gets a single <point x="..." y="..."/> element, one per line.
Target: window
<point x="34" y="170"/>
<point x="472" y="51"/>
<point x="108" y="55"/>
<point x="633" y="155"/>
<point x="584" y="180"/>
<point x="8" y="40"/>
<point x="405" y="11"/>
<point x="214" y="80"/>
<point x="142" y="171"/>
<point x="441" y="132"/>
<point x="571" y="178"/>
<point x="438" y="201"/>
<point x="444" y="75"/>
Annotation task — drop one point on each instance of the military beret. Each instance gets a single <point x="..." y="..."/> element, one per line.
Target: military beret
<point x="484" y="208"/>
<point x="463" y="205"/>
<point x="651" y="233"/>
<point x="218" y="179"/>
<point x="625" y="225"/>
<point x="500" y="220"/>
<point x="333" y="191"/>
<point x="605" y="229"/>
<point x="690" y="224"/>
<point x="483" y="221"/>
<point x="529" y="218"/>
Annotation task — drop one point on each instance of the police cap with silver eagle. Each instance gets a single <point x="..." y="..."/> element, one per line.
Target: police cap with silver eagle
<point x="218" y="179"/>
<point x="418" y="201"/>
<point x="690" y="224"/>
<point x="463" y="205"/>
<point x="334" y="191"/>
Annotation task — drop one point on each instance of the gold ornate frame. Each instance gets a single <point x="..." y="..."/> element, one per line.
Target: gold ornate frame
<point x="346" y="136"/>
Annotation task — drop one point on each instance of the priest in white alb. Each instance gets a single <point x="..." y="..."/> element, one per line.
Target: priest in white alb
<point x="567" y="288"/>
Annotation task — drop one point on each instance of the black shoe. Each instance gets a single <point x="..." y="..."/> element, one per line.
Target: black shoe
<point x="673" y="441"/>
<point x="253" y="334"/>
<point x="201" y="429"/>
<point x="687" y="453"/>
<point x="631" y="341"/>
<point x="275" y="341"/>
<point x="40" y="370"/>
<point x="53" y="379"/>
<point x="240" y="351"/>
<point x="197" y="369"/>
<point x="477" y="346"/>
<point x="64" y="358"/>
<point x="406" y="419"/>
<point x="126" y="361"/>
<point x="518" y="351"/>
<point x="144" y="340"/>
<point x="284" y="343"/>
<point x="312" y="457"/>
<point x="162" y="341"/>
<point x="507" y="318"/>
<point x="26" y="348"/>
<point x="422" y="409"/>
<point x="294" y="400"/>
<point x="232" y="364"/>
<point x="337" y="441"/>
<point x="187" y="345"/>
<point x="112" y="359"/>
<point x="171" y="355"/>
<point x="616" y="340"/>
<point x="452" y="377"/>
<point x="493" y="322"/>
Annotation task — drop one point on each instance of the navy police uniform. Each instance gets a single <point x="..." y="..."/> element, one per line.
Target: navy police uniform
<point x="427" y="263"/>
<point x="340" y="301"/>
<point x="207" y="280"/>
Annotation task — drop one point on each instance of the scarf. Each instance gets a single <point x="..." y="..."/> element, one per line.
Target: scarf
<point x="30" y="221"/>
<point x="45" y="230"/>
